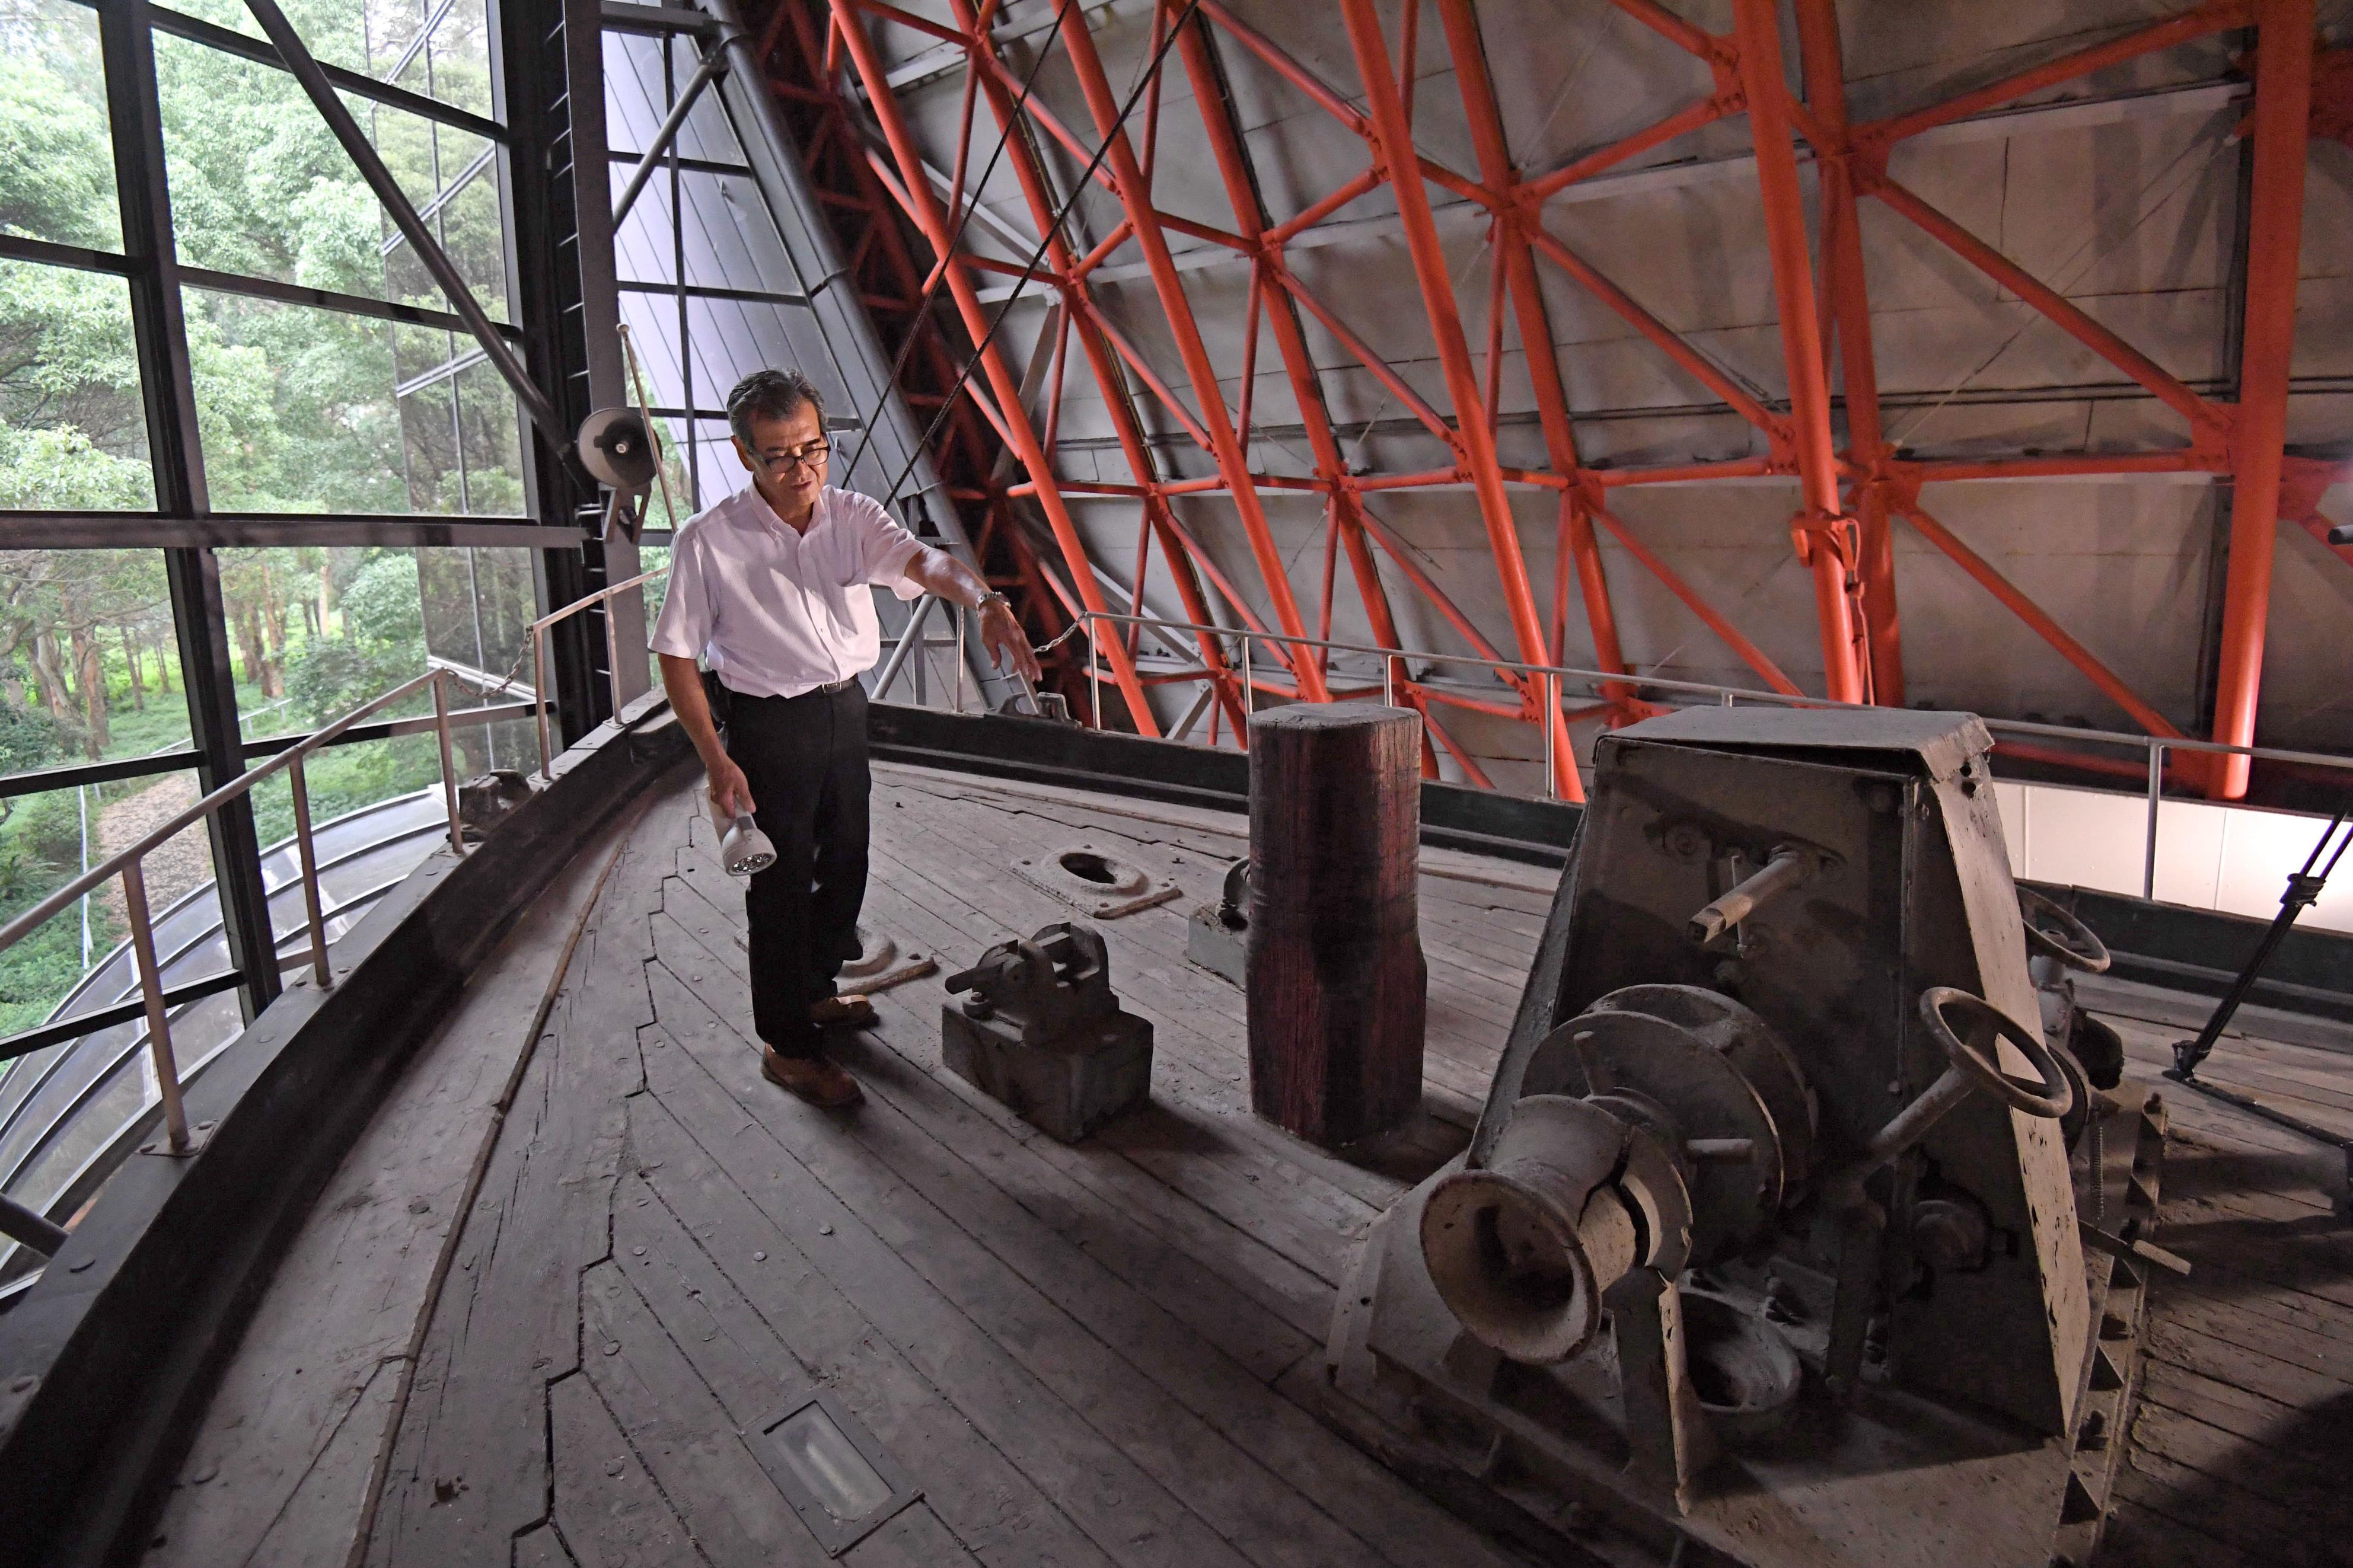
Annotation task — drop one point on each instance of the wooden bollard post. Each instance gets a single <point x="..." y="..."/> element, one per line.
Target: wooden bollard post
<point x="1336" y="983"/>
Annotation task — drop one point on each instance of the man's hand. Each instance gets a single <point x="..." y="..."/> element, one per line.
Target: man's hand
<point x="730" y="791"/>
<point x="1001" y="635"/>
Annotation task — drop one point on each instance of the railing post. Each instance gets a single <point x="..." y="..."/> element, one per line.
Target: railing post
<point x="959" y="612"/>
<point x="151" y="989"/>
<point x="448" y="763"/>
<point x="612" y="658"/>
<point x="1552" y="753"/>
<point x="2156" y="793"/>
<point x="1388" y="681"/>
<point x="1246" y="696"/>
<point x="1094" y="669"/>
<point x="309" y="856"/>
<point x="539" y="696"/>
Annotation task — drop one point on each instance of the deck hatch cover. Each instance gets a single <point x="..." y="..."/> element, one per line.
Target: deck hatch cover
<point x="836" y="1474"/>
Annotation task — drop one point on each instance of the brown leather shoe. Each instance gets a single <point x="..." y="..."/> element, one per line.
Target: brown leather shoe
<point x="820" y="1082"/>
<point x="848" y="1011"/>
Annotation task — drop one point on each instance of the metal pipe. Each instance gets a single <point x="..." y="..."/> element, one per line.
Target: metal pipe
<point x="1715" y="692"/>
<point x="909" y="638"/>
<point x="1789" y="866"/>
<point x="2156" y="796"/>
<point x="1021" y="436"/>
<point x="307" y="70"/>
<point x="539" y="688"/>
<point x="1758" y="28"/>
<point x="308" y="853"/>
<point x="1177" y="311"/>
<point x="448" y="766"/>
<point x="150" y="990"/>
<point x="1391" y="136"/>
<point x="2282" y="134"/>
<point x="20" y="1223"/>
<point x="714" y="65"/>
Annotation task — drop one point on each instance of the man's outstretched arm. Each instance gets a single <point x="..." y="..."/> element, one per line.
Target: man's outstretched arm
<point x="937" y="572"/>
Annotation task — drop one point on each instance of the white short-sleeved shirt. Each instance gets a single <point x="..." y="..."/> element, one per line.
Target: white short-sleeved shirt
<point x="776" y="612"/>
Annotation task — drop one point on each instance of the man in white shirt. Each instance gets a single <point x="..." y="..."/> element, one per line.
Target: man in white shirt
<point x="772" y="589"/>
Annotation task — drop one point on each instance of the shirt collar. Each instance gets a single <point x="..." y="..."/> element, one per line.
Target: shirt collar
<point x="751" y="508"/>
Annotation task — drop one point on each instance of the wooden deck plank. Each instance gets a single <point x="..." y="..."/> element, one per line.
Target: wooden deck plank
<point x="507" y="1324"/>
<point x="1247" y="1460"/>
<point x="1261" y="1341"/>
<point x="755" y="1288"/>
<point x="694" y="1450"/>
<point x="1126" y="1511"/>
<point x="607" y="1504"/>
<point x="1096" y="1354"/>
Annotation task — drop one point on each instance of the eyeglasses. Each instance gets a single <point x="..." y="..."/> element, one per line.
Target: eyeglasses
<point x="811" y="456"/>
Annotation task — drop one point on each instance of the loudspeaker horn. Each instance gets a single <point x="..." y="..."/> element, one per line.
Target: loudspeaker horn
<point x="616" y="446"/>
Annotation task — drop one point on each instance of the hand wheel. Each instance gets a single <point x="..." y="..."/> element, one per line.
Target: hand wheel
<point x="2053" y="1098"/>
<point x="2075" y="944"/>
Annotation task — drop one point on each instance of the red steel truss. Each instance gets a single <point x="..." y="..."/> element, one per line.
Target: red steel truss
<point x="1853" y="485"/>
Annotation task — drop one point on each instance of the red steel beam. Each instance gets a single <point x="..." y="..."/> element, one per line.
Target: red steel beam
<point x="1097" y="344"/>
<point x="1346" y="516"/>
<point x="1847" y="295"/>
<point x="2208" y="423"/>
<point x="2282" y="132"/>
<point x="2143" y="713"/>
<point x="2214" y="17"/>
<point x="1750" y="654"/>
<point x="1707" y="112"/>
<point x="1393" y="141"/>
<point x="1758" y="26"/>
<point x="1016" y="428"/>
<point x="1134" y="199"/>
<point x="1515" y="265"/>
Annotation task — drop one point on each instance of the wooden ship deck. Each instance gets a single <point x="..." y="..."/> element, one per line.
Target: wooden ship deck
<point x="586" y="1249"/>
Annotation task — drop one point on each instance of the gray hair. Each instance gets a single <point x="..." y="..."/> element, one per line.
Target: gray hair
<point x="771" y="394"/>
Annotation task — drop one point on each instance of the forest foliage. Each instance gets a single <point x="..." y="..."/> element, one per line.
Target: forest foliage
<point x="298" y="410"/>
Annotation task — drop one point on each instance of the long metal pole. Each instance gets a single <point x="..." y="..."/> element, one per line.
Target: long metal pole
<point x="910" y="638"/>
<point x="1848" y="294"/>
<point x="2156" y="797"/>
<point x="330" y="105"/>
<point x="2284" y="51"/>
<point x="449" y="764"/>
<point x="1514" y="274"/>
<point x="1177" y="310"/>
<point x="1392" y="138"/>
<point x="1212" y="99"/>
<point x="1819" y="526"/>
<point x="539" y="707"/>
<point x="1007" y="389"/>
<point x="150" y="990"/>
<point x="714" y="65"/>
<point x="307" y="853"/>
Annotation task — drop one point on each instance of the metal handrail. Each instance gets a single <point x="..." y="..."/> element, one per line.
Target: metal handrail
<point x="538" y="634"/>
<point x="127" y="864"/>
<point x="2155" y="746"/>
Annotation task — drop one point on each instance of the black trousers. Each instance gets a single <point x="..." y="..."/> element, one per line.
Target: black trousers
<point x="804" y="758"/>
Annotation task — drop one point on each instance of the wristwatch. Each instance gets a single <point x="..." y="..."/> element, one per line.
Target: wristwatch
<point x="993" y="597"/>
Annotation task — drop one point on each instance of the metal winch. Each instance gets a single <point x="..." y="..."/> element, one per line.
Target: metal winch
<point x="1767" y="1239"/>
<point x="1043" y="1031"/>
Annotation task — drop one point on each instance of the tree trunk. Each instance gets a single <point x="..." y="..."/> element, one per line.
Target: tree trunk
<point x="130" y="658"/>
<point x="90" y="668"/>
<point x="162" y="662"/>
<point x="50" y="678"/>
<point x="248" y="641"/>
